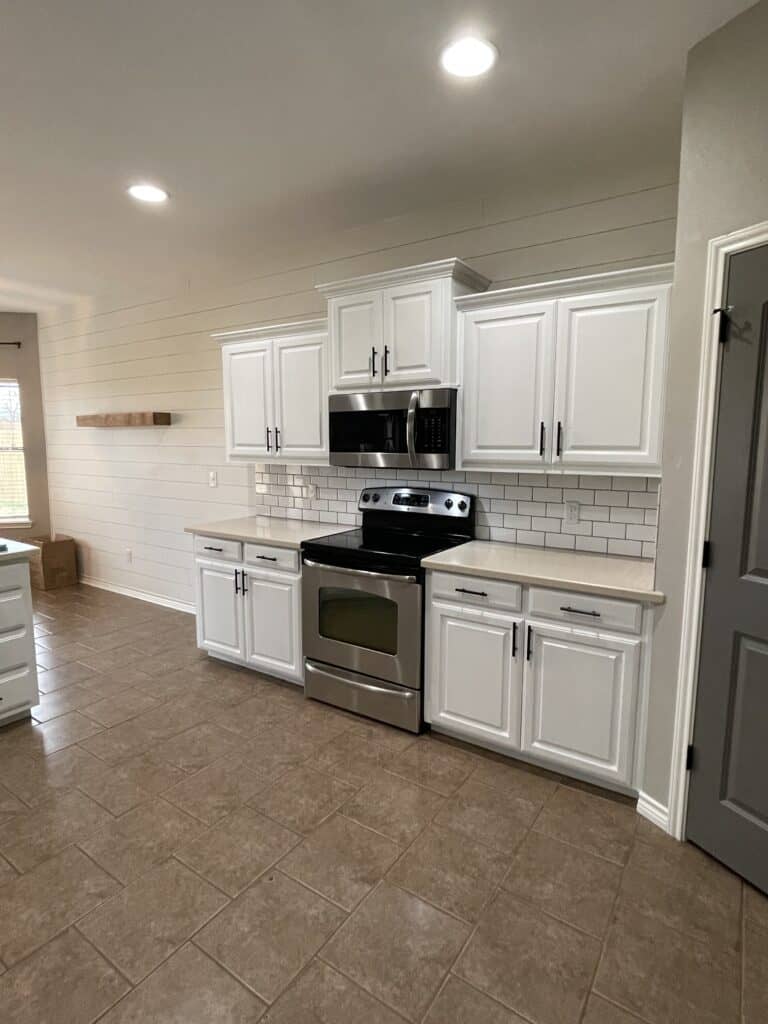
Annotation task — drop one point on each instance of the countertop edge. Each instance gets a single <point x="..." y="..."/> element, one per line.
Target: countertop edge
<point x="652" y="597"/>
<point x="291" y="544"/>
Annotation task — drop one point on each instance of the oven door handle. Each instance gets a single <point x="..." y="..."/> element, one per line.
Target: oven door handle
<point x="410" y="427"/>
<point x="361" y="572"/>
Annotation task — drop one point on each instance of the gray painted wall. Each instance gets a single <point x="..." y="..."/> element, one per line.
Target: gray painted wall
<point x="723" y="187"/>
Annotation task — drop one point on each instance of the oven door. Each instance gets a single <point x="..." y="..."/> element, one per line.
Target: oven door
<point x="368" y="622"/>
<point x="394" y="429"/>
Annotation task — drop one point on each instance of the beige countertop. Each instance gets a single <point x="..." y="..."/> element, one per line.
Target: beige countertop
<point x="17" y="552"/>
<point x="573" y="570"/>
<point x="282" y="533"/>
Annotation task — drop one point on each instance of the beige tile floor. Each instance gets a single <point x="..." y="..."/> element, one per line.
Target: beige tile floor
<point x="182" y="842"/>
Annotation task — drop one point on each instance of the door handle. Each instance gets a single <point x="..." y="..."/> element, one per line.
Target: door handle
<point x="269" y="440"/>
<point x="237" y="573"/>
<point x="277" y="439"/>
<point x="559" y="438"/>
<point x="410" y="426"/>
<point x="541" y="438"/>
<point x="528" y="647"/>
<point x="475" y="593"/>
<point x="208" y="548"/>
<point x="243" y="581"/>
<point x="514" y="639"/>
<point x="267" y="558"/>
<point x="387" y="577"/>
<point x="374" y="353"/>
<point x="578" y="611"/>
<point x="386" y="360"/>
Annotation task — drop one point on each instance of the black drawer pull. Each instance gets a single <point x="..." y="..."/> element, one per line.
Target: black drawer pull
<point x="267" y="558"/>
<point x="475" y="593"/>
<point x="578" y="611"/>
<point x="207" y="548"/>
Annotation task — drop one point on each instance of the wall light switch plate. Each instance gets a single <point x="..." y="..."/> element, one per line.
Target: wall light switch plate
<point x="571" y="511"/>
<point x="213" y="478"/>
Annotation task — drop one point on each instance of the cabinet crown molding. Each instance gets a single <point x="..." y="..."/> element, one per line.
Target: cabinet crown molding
<point x="280" y="330"/>
<point x="564" y="288"/>
<point x="454" y="268"/>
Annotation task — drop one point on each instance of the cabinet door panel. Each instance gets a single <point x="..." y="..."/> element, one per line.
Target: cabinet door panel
<point x="248" y="403"/>
<point x="474" y="676"/>
<point x="508" y="372"/>
<point x="413" y="333"/>
<point x="579" y="700"/>
<point x="219" y="610"/>
<point x="611" y="352"/>
<point x="301" y="397"/>
<point x="355" y="323"/>
<point x="273" y="624"/>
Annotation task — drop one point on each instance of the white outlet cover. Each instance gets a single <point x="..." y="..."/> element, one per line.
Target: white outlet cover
<point x="571" y="511"/>
<point x="213" y="478"/>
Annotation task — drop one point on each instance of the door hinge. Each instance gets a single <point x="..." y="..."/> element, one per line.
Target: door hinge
<point x="725" y="322"/>
<point x="689" y="758"/>
<point x="706" y="554"/>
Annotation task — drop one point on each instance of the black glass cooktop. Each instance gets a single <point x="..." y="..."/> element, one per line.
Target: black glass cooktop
<point x="378" y="550"/>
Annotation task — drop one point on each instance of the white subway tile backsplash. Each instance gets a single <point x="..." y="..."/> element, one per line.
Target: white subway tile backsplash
<point x="617" y="515"/>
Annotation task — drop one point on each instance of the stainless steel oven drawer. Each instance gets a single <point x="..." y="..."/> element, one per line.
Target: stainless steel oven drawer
<point x="395" y="705"/>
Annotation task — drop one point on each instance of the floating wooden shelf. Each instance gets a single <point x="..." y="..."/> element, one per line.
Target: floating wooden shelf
<point x="125" y="419"/>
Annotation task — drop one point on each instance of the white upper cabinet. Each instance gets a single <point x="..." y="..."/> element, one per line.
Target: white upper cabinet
<point x="508" y="360"/>
<point x="578" y="365"/>
<point x="276" y="392"/>
<point x="301" y="397"/>
<point x="397" y="328"/>
<point x="357" y="348"/>
<point x="248" y="399"/>
<point x="611" y="356"/>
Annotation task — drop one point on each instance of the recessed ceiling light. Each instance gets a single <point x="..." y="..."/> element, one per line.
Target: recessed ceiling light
<point x="469" y="57"/>
<point x="148" y="193"/>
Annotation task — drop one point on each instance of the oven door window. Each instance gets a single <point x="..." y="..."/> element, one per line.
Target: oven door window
<point x="354" y="617"/>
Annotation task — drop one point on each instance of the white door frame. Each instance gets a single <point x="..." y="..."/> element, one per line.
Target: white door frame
<point x="719" y="250"/>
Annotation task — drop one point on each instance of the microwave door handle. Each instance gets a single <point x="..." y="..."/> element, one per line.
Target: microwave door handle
<point x="410" y="427"/>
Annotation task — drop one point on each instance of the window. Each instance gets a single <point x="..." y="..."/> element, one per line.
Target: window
<point x="13" y="478"/>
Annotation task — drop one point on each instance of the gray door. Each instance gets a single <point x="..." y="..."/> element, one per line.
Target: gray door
<point x="728" y="798"/>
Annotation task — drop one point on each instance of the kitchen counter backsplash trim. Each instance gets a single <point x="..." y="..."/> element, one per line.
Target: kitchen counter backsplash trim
<point x="617" y="515"/>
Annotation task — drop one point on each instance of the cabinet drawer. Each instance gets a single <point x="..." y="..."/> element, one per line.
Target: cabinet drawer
<point x="272" y="558"/>
<point x="586" y="609"/>
<point x="18" y="689"/>
<point x="215" y="547"/>
<point x="472" y="590"/>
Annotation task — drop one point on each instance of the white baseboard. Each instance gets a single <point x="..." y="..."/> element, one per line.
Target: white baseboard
<point x="654" y="811"/>
<point x="140" y="595"/>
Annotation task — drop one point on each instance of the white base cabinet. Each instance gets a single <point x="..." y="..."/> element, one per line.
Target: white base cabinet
<point x="18" y="671"/>
<point x="251" y="615"/>
<point x="558" y="693"/>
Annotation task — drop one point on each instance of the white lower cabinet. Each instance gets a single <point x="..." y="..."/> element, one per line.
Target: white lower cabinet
<point x="476" y="676"/>
<point x="273" y="624"/>
<point x="579" y="695"/>
<point x="18" y="672"/>
<point x="560" y="694"/>
<point x="251" y="616"/>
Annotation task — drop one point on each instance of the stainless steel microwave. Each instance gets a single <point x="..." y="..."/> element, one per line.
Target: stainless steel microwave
<point x="413" y="429"/>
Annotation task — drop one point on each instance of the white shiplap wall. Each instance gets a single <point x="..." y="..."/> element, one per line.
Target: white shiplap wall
<point x="121" y="490"/>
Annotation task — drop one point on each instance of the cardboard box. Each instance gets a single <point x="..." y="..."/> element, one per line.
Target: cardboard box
<point x="56" y="565"/>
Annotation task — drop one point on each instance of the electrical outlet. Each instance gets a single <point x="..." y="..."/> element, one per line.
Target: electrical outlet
<point x="129" y="555"/>
<point x="571" y="511"/>
<point x="213" y="478"/>
<point x="310" y="491"/>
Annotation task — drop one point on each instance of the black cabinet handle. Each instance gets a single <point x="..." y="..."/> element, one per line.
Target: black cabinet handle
<point x="514" y="639"/>
<point x="237" y="573"/>
<point x="243" y="582"/>
<point x="277" y="439"/>
<point x="207" y="548"/>
<point x="267" y="558"/>
<point x="386" y="360"/>
<point x="541" y="438"/>
<point x="374" y="353"/>
<point x="578" y="611"/>
<point x="475" y="593"/>
<point x="269" y="437"/>
<point x="559" y="438"/>
<point x="528" y="646"/>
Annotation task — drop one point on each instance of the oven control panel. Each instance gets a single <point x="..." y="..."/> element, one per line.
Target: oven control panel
<point x="415" y="499"/>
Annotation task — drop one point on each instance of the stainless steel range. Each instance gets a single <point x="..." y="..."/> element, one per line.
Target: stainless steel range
<point x="363" y="601"/>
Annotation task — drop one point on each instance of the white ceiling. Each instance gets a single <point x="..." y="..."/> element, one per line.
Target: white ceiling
<point x="269" y="121"/>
